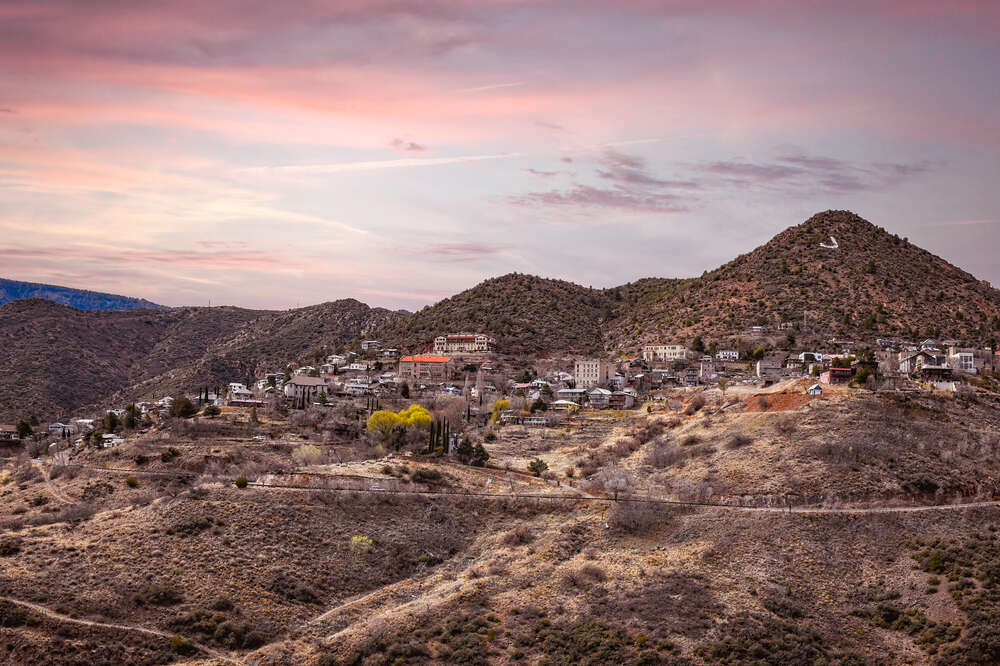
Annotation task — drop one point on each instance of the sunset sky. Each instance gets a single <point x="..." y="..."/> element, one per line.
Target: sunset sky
<point x="272" y="154"/>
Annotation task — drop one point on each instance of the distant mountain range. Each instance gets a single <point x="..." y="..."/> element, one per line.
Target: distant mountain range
<point x="864" y="284"/>
<point x="81" y="299"/>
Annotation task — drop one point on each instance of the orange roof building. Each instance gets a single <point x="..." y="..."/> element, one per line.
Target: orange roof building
<point x="426" y="368"/>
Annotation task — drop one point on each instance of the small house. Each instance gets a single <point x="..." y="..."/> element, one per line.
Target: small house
<point x="815" y="389"/>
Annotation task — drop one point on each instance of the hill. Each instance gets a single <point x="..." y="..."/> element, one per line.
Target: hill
<point x="526" y="314"/>
<point x="12" y="290"/>
<point x="871" y="283"/>
<point x="57" y="359"/>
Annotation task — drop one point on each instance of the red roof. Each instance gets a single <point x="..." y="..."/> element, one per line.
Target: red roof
<point x="425" y="359"/>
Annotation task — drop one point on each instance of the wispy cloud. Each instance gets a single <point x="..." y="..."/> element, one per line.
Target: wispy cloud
<point x="494" y="86"/>
<point x="461" y="252"/>
<point x="375" y="165"/>
<point x="407" y="146"/>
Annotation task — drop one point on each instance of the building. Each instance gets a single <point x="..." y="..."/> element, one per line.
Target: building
<point x="305" y="387"/>
<point x="598" y="398"/>
<point x="592" y="372"/>
<point x="837" y="376"/>
<point x="426" y="368"/>
<point x="371" y="345"/>
<point x="621" y="400"/>
<point x="910" y="363"/>
<point x="8" y="433"/>
<point x="571" y="394"/>
<point x="771" y="365"/>
<point x="239" y="392"/>
<point x="815" y="389"/>
<point x="652" y="353"/>
<point x="728" y="355"/>
<point x="468" y="343"/>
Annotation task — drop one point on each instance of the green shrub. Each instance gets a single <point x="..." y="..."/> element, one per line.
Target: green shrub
<point x="131" y="481"/>
<point x="538" y="467"/>
<point x="241" y="482"/>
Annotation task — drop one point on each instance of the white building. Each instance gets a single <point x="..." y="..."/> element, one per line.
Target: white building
<point x="463" y="342"/>
<point x="728" y="355"/>
<point x="652" y="353"/>
<point x="373" y="345"/>
<point x="591" y="372"/>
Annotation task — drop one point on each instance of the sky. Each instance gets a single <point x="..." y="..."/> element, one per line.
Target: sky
<point x="272" y="155"/>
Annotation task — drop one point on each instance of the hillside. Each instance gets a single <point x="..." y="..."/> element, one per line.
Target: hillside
<point x="872" y="283"/>
<point x="12" y="290"/>
<point x="57" y="359"/>
<point x="526" y="315"/>
<point x="856" y="528"/>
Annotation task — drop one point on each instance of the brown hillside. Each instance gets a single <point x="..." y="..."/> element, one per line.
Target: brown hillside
<point x="873" y="283"/>
<point x="57" y="359"/>
<point x="526" y="315"/>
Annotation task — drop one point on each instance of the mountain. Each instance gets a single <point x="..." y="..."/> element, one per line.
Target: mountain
<point x="871" y="283"/>
<point x="12" y="290"/>
<point x="526" y="315"/>
<point x="57" y="359"/>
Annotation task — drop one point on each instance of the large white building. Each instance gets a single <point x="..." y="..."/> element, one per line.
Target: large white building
<point x="591" y="372"/>
<point x="652" y="353"/>
<point x="463" y="342"/>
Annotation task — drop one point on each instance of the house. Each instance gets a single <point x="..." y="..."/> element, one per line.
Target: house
<point x="591" y="372"/>
<point x="370" y="345"/>
<point x="963" y="360"/>
<point x="358" y="386"/>
<point x="571" y="394"/>
<point x="304" y="387"/>
<point x="690" y="376"/>
<point x="391" y="353"/>
<point x="815" y="389"/>
<point x="430" y="368"/>
<point x="771" y="365"/>
<point x="336" y="359"/>
<point x="621" y="400"/>
<point x="728" y="355"/>
<point x="8" y="433"/>
<point x="708" y="367"/>
<point x="564" y="406"/>
<point x="598" y="398"/>
<point x="911" y="362"/>
<point x="469" y="343"/>
<point x="929" y="345"/>
<point x="837" y="376"/>
<point x="651" y="353"/>
<point x="238" y="392"/>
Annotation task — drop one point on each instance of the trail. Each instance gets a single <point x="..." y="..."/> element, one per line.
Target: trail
<point x="59" y="617"/>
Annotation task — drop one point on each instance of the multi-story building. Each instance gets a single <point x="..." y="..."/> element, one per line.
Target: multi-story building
<point x="425" y="368"/>
<point x="651" y="353"/>
<point x="728" y="355"/>
<point x="591" y="372"/>
<point x="373" y="345"/>
<point x="463" y="343"/>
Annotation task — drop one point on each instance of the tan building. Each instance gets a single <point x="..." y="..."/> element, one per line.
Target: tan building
<point x="463" y="343"/>
<point x="426" y="368"/>
<point x="590" y="372"/>
<point x="651" y="353"/>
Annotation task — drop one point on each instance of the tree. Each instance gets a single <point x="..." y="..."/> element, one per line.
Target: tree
<point x="321" y="398"/>
<point x="382" y="422"/>
<point x="698" y="344"/>
<point x="307" y="454"/>
<point x="182" y="407"/>
<point x="498" y="407"/>
<point x="24" y="429"/>
<point x="723" y="385"/>
<point x="133" y="416"/>
<point x="538" y="467"/>
<point x="404" y="390"/>
<point x="253" y="415"/>
<point x="211" y="410"/>
<point x="539" y="406"/>
<point x="110" y="421"/>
